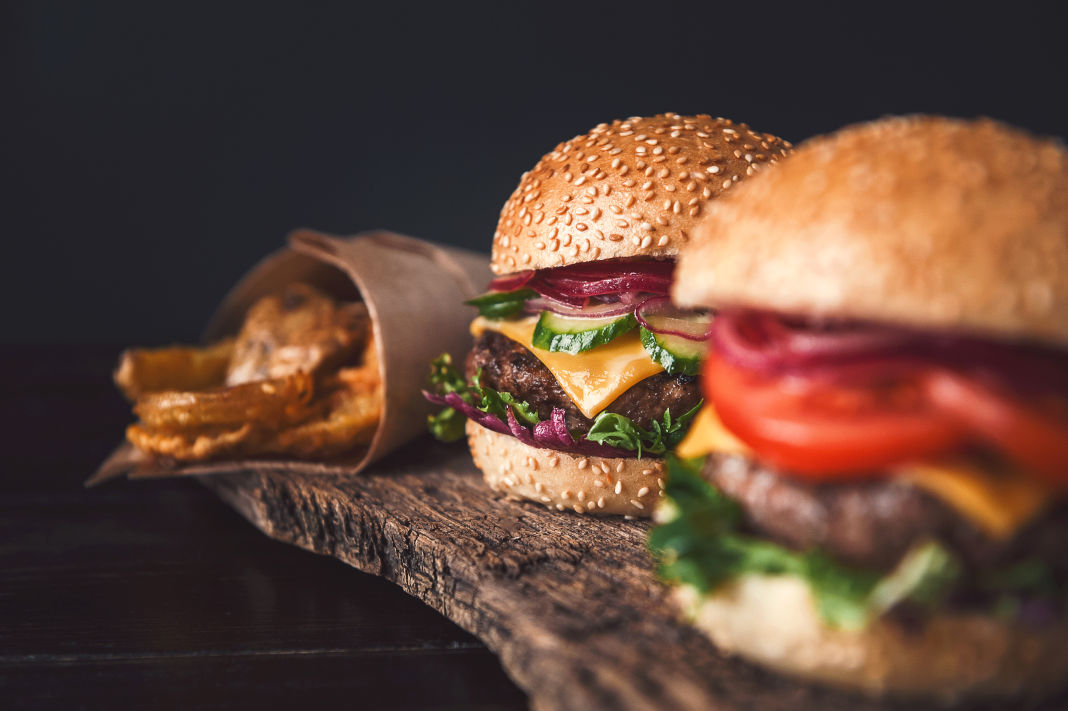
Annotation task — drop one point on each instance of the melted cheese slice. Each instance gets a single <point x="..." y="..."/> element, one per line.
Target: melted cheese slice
<point x="593" y="379"/>
<point x="707" y="434"/>
<point x="999" y="503"/>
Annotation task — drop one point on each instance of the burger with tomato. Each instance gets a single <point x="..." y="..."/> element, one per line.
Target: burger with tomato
<point x="873" y="493"/>
<point x="583" y="373"/>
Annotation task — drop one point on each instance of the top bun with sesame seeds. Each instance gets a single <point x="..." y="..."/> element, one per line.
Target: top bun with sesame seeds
<point x="574" y="409"/>
<point x="921" y="221"/>
<point x="630" y="188"/>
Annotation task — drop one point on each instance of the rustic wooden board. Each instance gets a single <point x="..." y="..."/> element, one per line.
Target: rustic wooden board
<point x="568" y="602"/>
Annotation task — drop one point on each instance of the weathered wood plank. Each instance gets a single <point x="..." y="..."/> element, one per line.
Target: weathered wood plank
<point x="568" y="602"/>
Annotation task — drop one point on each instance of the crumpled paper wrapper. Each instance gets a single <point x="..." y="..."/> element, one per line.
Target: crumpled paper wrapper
<point x="414" y="292"/>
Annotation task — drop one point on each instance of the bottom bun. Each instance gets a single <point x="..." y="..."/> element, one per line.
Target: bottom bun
<point x="566" y="482"/>
<point x="771" y="620"/>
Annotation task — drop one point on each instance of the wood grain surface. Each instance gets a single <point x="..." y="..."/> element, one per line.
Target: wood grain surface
<point x="568" y="602"/>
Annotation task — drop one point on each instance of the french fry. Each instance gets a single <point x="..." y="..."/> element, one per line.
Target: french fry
<point x="147" y="370"/>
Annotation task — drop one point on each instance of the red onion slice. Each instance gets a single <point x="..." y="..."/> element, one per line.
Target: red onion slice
<point x="659" y="315"/>
<point x="553" y="294"/>
<point x="589" y="311"/>
<point x="576" y="286"/>
<point x="512" y="281"/>
<point x="862" y="352"/>
<point x="764" y="342"/>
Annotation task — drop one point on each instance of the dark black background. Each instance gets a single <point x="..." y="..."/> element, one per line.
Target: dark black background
<point x="152" y="152"/>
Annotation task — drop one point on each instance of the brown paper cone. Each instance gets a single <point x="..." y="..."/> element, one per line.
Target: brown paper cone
<point x="414" y="291"/>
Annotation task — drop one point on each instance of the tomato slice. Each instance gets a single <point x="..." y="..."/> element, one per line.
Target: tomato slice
<point x="1036" y="439"/>
<point x="826" y="431"/>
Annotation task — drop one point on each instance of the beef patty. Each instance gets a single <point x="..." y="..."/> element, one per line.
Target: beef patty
<point x="509" y="367"/>
<point x="872" y="523"/>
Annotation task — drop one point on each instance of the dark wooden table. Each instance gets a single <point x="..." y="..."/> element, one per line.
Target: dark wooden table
<point x="156" y="594"/>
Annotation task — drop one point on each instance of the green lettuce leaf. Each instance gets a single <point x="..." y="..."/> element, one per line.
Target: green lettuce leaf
<point x="619" y="431"/>
<point x="698" y="543"/>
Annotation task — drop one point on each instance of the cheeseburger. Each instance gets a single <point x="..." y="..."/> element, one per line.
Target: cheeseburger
<point x="873" y="493"/>
<point x="583" y="373"/>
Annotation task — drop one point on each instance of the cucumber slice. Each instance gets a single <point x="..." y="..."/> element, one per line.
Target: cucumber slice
<point x="499" y="305"/>
<point x="676" y="354"/>
<point x="560" y="334"/>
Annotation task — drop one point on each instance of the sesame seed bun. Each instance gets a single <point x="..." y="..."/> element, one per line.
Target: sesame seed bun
<point x="565" y="482"/>
<point x="632" y="188"/>
<point x="920" y="221"/>
<point x="772" y="620"/>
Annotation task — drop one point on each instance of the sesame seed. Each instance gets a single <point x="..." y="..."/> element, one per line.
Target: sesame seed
<point x="643" y="491"/>
<point x="648" y="239"/>
<point x="619" y="487"/>
<point x="646" y="472"/>
<point x="600" y="503"/>
<point x="637" y="504"/>
<point x="604" y="467"/>
<point x="583" y="463"/>
<point x="579" y="508"/>
<point x="598" y="483"/>
<point x="581" y="495"/>
<point x="565" y="494"/>
<point x="553" y="461"/>
<point x="538" y="487"/>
